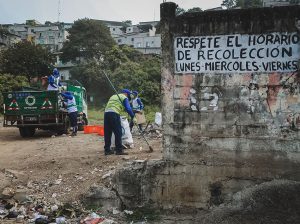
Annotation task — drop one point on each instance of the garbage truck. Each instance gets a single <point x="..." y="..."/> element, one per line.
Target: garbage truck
<point x="31" y="109"/>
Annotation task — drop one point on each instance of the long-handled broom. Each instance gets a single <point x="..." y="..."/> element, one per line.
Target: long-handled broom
<point x="142" y="134"/>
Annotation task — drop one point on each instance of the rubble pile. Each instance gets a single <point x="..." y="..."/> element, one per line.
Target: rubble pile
<point x="40" y="211"/>
<point x="36" y="203"/>
<point x="29" y="204"/>
<point x="152" y="131"/>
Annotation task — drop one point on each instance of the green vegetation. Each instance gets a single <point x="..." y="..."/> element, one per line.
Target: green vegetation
<point x="96" y="114"/>
<point x="88" y="39"/>
<point x="150" y="112"/>
<point x="93" y="50"/>
<point x="143" y="76"/>
<point x="10" y="82"/>
<point x="242" y="3"/>
<point x="144" y="214"/>
<point x="26" y="59"/>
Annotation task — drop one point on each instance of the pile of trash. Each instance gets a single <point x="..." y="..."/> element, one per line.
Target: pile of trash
<point x="22" y="208"/>
<point x="150" y="131"/>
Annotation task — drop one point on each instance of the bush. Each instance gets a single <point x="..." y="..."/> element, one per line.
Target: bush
<point x="10" y="82"/>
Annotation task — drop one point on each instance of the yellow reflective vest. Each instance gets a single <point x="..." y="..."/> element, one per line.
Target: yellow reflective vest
<point x="114" y="104"/>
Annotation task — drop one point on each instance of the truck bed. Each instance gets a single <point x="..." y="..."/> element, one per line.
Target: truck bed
<point x="30" y="102"/>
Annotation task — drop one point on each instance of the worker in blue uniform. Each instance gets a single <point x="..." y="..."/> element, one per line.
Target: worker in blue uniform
<point x="54" y="80"/>
<point x="70" y="103"/>
<point x="137" y="107"/>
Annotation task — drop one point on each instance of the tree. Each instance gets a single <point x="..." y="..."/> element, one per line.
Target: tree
<point x="127" y="22"/>
<point x="25" y="58"/>
<point x="195" y="9"/>
<point x="249" y="3"/>
<point x="121" y="54"/>
<point x="88" y="39"/>
<point x="10" y="82"/>
<point x="229" y="3"/>
<point x="179" y="11"/>
<point x="89" y="72"/>
<point x="143" y="77"/>
<point x="3" y="31"/>
<point x="294" y="2"/>
<point x="242" y="3"/>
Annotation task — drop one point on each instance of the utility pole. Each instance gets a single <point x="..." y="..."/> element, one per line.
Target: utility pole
<point x="58" y="11"/>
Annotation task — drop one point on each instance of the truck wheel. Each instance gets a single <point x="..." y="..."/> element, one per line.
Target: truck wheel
<point x="65" y="128"/>
<point x="84" y="122"/>
<point x="26" y="132"/>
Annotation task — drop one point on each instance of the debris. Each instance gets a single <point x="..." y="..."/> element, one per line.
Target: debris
<point x="54" y="208"/>
<point x="115" y="211"/>
<point x="41" y="221"/>
<point x="21" y="196"/>
<point x="93" y="218"/>
<point x="12" y="214"/>
<point x="126" y="158"/>
<point x="108" y="221"/>
<point x="79" y="177"/>
<point x="20" y="218"/>
<point x="60" y="220"/>
<point x="128" y="212"/>
<point x="107" y="175"/>
<point x="58" y="181"/>
<point x="7" y="193"/>
<point x="140" y="161"/>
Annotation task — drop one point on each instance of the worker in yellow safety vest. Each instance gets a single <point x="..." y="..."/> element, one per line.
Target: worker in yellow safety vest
<point x="112" y="122"/>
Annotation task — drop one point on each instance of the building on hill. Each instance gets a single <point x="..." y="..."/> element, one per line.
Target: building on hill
<point x="142" y="37"/>
<point x="115" y="28"/>
<point x="7" y="38"/>
<point x="50" y="35"/>
<point x="272" y="3"/>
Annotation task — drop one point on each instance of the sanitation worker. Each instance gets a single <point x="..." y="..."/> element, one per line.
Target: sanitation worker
<point x="112" y="122"/>
<point x="137" y="107"/>
<point x="54" y="80"/>
<point x="70" y="103"/>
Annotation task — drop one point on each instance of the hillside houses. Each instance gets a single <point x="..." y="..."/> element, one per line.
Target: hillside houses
<point x="142" y="37"/>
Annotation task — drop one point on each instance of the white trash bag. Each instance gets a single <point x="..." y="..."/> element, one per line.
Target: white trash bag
<point x="126" y="134"/>
<point x="158" y="119"/>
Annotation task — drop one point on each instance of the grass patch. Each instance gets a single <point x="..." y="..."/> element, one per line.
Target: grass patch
<point x="150" y="112"/>
<point x="95" y="207"/>
<point x="96" y="114"/>
<point x="144" y="214"/>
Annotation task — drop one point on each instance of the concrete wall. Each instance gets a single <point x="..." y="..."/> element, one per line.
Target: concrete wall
<point x="224" y="129"/>
<point x="228" y="129"/>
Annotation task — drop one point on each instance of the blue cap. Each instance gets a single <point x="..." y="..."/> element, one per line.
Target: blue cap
<point x="68" y="93"/>
<point x="126" y="91"/>
<point x="135" y="92"/>
<point x="55" y="72"/>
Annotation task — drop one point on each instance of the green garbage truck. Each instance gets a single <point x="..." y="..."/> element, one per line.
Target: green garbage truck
<point x="32" y="109"/>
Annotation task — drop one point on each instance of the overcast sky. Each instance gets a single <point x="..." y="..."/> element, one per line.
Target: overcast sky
<point x="18" y="11"/>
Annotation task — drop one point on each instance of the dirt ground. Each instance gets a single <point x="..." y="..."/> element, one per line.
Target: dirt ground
<point x="62" y="167"/>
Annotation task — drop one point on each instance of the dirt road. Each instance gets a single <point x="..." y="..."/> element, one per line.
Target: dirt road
<point x="62" y="167"/>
